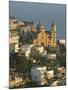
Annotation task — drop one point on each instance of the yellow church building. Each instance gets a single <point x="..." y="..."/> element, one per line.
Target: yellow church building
<point x="45" y="38"/>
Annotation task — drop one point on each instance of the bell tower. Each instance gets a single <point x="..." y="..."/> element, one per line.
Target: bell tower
<point x="53" y="35"/>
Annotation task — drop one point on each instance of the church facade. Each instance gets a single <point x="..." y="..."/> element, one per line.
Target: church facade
<point x="45" y="38"/>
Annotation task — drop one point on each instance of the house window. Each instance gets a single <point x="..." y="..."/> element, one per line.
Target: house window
<point x="42" y="33"/>
<point x="23" y="32"/>
<point x="15" y="22"/>
<point x="36" y="45"/>
<point x="35" y="78"/>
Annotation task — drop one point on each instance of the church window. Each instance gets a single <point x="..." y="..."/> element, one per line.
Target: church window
<point x="53" y="39"/>
<point x="48" y="42"/>
<point x="23" y="32"/>
<point x="42" y="44"/>
<point x="42" y="33"/>
<point x="48" y="45"/>
<point x="53" y="34"/>
<point x="42" y="37"/>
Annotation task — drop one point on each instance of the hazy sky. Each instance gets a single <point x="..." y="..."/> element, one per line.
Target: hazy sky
<point x="46" y="13"/>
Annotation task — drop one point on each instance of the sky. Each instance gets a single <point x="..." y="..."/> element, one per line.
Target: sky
<point x="46" y="13"/>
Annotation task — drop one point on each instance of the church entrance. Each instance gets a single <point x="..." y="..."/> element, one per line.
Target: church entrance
<point x="42" y="44"/>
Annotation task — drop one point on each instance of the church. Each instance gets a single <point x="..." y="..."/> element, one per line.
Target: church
<point x="45" y="38"/>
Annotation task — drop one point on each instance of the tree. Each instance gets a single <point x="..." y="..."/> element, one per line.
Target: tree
<point x="62" y="60"/>
<point x="62" y="56"/>
<point x="12" y="62"/>
<point x="34" y="83"/>
<point x="20" y="62"/>
<point x="43" y="60"/>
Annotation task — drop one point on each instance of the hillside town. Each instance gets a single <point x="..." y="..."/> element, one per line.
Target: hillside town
<point x="36" y="57"/>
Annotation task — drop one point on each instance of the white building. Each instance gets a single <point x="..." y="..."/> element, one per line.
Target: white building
<point x="33" y="60"/>
<point x="15" y="79"/>
<point x="40" y="49"/>
<point x="27" y="49"/>
<point x="38" y="74"/>
<point x="44" y="53"/>
<point x="51" y="56"/>
<point x="13" y="42"/>
<point x="61" y="69"/>
<point x="62" y="41"/>
<point x="20" y="23"/>
<point x="55" y="83"/>
<point x="18" y="79"/>
<point x="27" y="53"/>
<point x="13" y="23"/>
<point x="50" y="74"/>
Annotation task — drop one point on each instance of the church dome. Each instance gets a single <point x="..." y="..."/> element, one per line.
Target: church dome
<point x="40" y="27"/>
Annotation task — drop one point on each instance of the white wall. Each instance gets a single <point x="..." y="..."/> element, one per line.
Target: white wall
<point x="37" y="74"/>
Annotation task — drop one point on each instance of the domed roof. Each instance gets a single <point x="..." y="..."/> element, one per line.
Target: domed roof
<point x="40" y="26"/>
